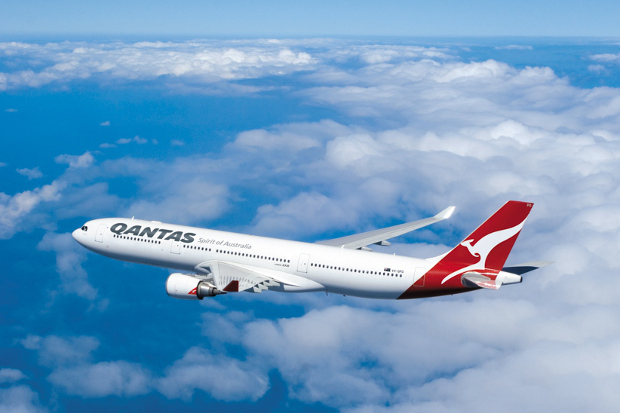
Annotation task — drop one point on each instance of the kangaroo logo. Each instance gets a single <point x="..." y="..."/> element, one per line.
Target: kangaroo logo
<point x="483" y="248"/>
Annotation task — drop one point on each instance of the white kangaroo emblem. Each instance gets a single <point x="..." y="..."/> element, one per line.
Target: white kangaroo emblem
<point x="483" y="248"/>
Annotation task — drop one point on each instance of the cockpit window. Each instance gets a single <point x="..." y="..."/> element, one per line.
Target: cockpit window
<point x="84" y="228"/>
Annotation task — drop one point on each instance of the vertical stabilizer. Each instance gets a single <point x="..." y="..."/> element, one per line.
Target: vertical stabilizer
<point x="484" y="250"/>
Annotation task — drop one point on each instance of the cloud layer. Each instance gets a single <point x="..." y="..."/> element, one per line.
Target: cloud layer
<point x="414" y="129"/>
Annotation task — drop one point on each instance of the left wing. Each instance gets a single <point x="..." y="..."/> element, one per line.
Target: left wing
<point x="232" y="277"/>
<point x="380" y="236"/>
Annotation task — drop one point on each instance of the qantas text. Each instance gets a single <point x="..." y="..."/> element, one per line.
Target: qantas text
<point x="164" y="234"/>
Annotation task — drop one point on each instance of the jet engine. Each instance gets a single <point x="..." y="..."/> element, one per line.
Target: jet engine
<point x="188" y="287"/>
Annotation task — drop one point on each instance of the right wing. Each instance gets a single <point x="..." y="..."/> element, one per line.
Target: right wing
<point x="380" y="236"/>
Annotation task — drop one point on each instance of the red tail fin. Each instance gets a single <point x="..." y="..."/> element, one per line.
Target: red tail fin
<point x="486" y="248"/>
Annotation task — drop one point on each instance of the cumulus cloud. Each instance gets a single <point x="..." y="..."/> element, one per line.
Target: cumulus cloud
<point x="117" y="378"/>
<point x="57" y="351"/>
<point x="106" y="123"/>
<point x="31" y="174"/>
<point x="11" y="375"/>
<point x="69" y="258"/>
<point x="205" y="61"/>
<point x="416" y="133"/>
<point x="76" y="161"/>
<point x="224" y="378"/>
<point x="20" y="399"/>
<point x="365" y="359"/>
<point x="75" y="373"/>
<point x="15" y="209"/>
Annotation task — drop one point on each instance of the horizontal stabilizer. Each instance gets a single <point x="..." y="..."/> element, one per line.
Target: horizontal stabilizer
<point x="477" y="280"/>
<point x="380" y="236"/>
<point x="526" y="267"/>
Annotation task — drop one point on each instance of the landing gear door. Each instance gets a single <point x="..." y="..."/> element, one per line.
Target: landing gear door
<point x="175" y="247"/>
<point x="302" y="265"/>
<point x="100" y="232"/>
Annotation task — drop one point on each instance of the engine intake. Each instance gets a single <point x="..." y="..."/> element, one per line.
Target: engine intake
<point x="188" y="287"/>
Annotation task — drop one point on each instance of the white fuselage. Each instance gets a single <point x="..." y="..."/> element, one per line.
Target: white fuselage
<point x="308" y="267"/>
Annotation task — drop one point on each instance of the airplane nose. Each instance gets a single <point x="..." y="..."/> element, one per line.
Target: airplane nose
<point x="77" y="235"/>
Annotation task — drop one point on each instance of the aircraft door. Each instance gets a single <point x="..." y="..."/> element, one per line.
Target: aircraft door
<point x="100" y="231"/>
<point x="175" y="247"/>
<point x="302" y="265"/>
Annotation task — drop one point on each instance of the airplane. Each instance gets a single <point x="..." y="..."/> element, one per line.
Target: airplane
<point x="217" y="262"/>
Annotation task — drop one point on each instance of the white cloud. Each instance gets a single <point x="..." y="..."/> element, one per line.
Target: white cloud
<point x="222" y="377"/>
<point x="106" y="123"/>
<point x="438" y="352"/>
<point x="205" y="61"/>
<point x="11" y="375"/>
<point x="55" y="351"/>
<point x="606" y="57"/>
<point x="20" y="399"/>
<point x="176" y="142"/>
<point x="124" y="141"/>
<point x="10" y="110"/>
<point x="69" y="258"/>
<point x="514" y="47"/>
<point x="423" y="133"/>
<point x="2" y="164"/>
<point x="76" y="161"/>
<point x="118" y="378"/>
<point x="107" y="145"/>
<point x="31" y="174"/>
<point x="597" y="69"/>
<point x="14" y="210"/>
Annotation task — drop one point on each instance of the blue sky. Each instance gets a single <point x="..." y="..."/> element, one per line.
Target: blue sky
<point x="116" y="111"/>
<point x="316" y="18"/>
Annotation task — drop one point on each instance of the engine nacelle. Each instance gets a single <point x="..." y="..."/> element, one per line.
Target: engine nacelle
<point x="188" y="287"/>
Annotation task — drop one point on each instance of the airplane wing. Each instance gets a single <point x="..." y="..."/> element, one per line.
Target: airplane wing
<point x="380" y="236"/>
<point x="230" y="277"/>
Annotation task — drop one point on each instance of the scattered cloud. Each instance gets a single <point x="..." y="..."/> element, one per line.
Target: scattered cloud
<point x="514" y="47"/>
<point x="20" y="399"/>
<point x="31" y="174"/>
<point x="10" y="110"/>
<point x="57" y="351"/>
<point x="69" y="258"/>
<point x="176" y="142"/>
<point x="597" y="69"/>
<point x="14" y="210"/>
<point x="606" y="57"/>
<point x="76" y="161"/>
<point x="136" y="139"/>
<point x="107" y="145"/>
<point x="2" y="164"/>
<point x="11" y="375"/>
<point x="206" y="62"/>
<point x="418" y="130"/>
<point x="116" y="378"/>
<point x="223" y="378"/>
<point x="106" y="123"/>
